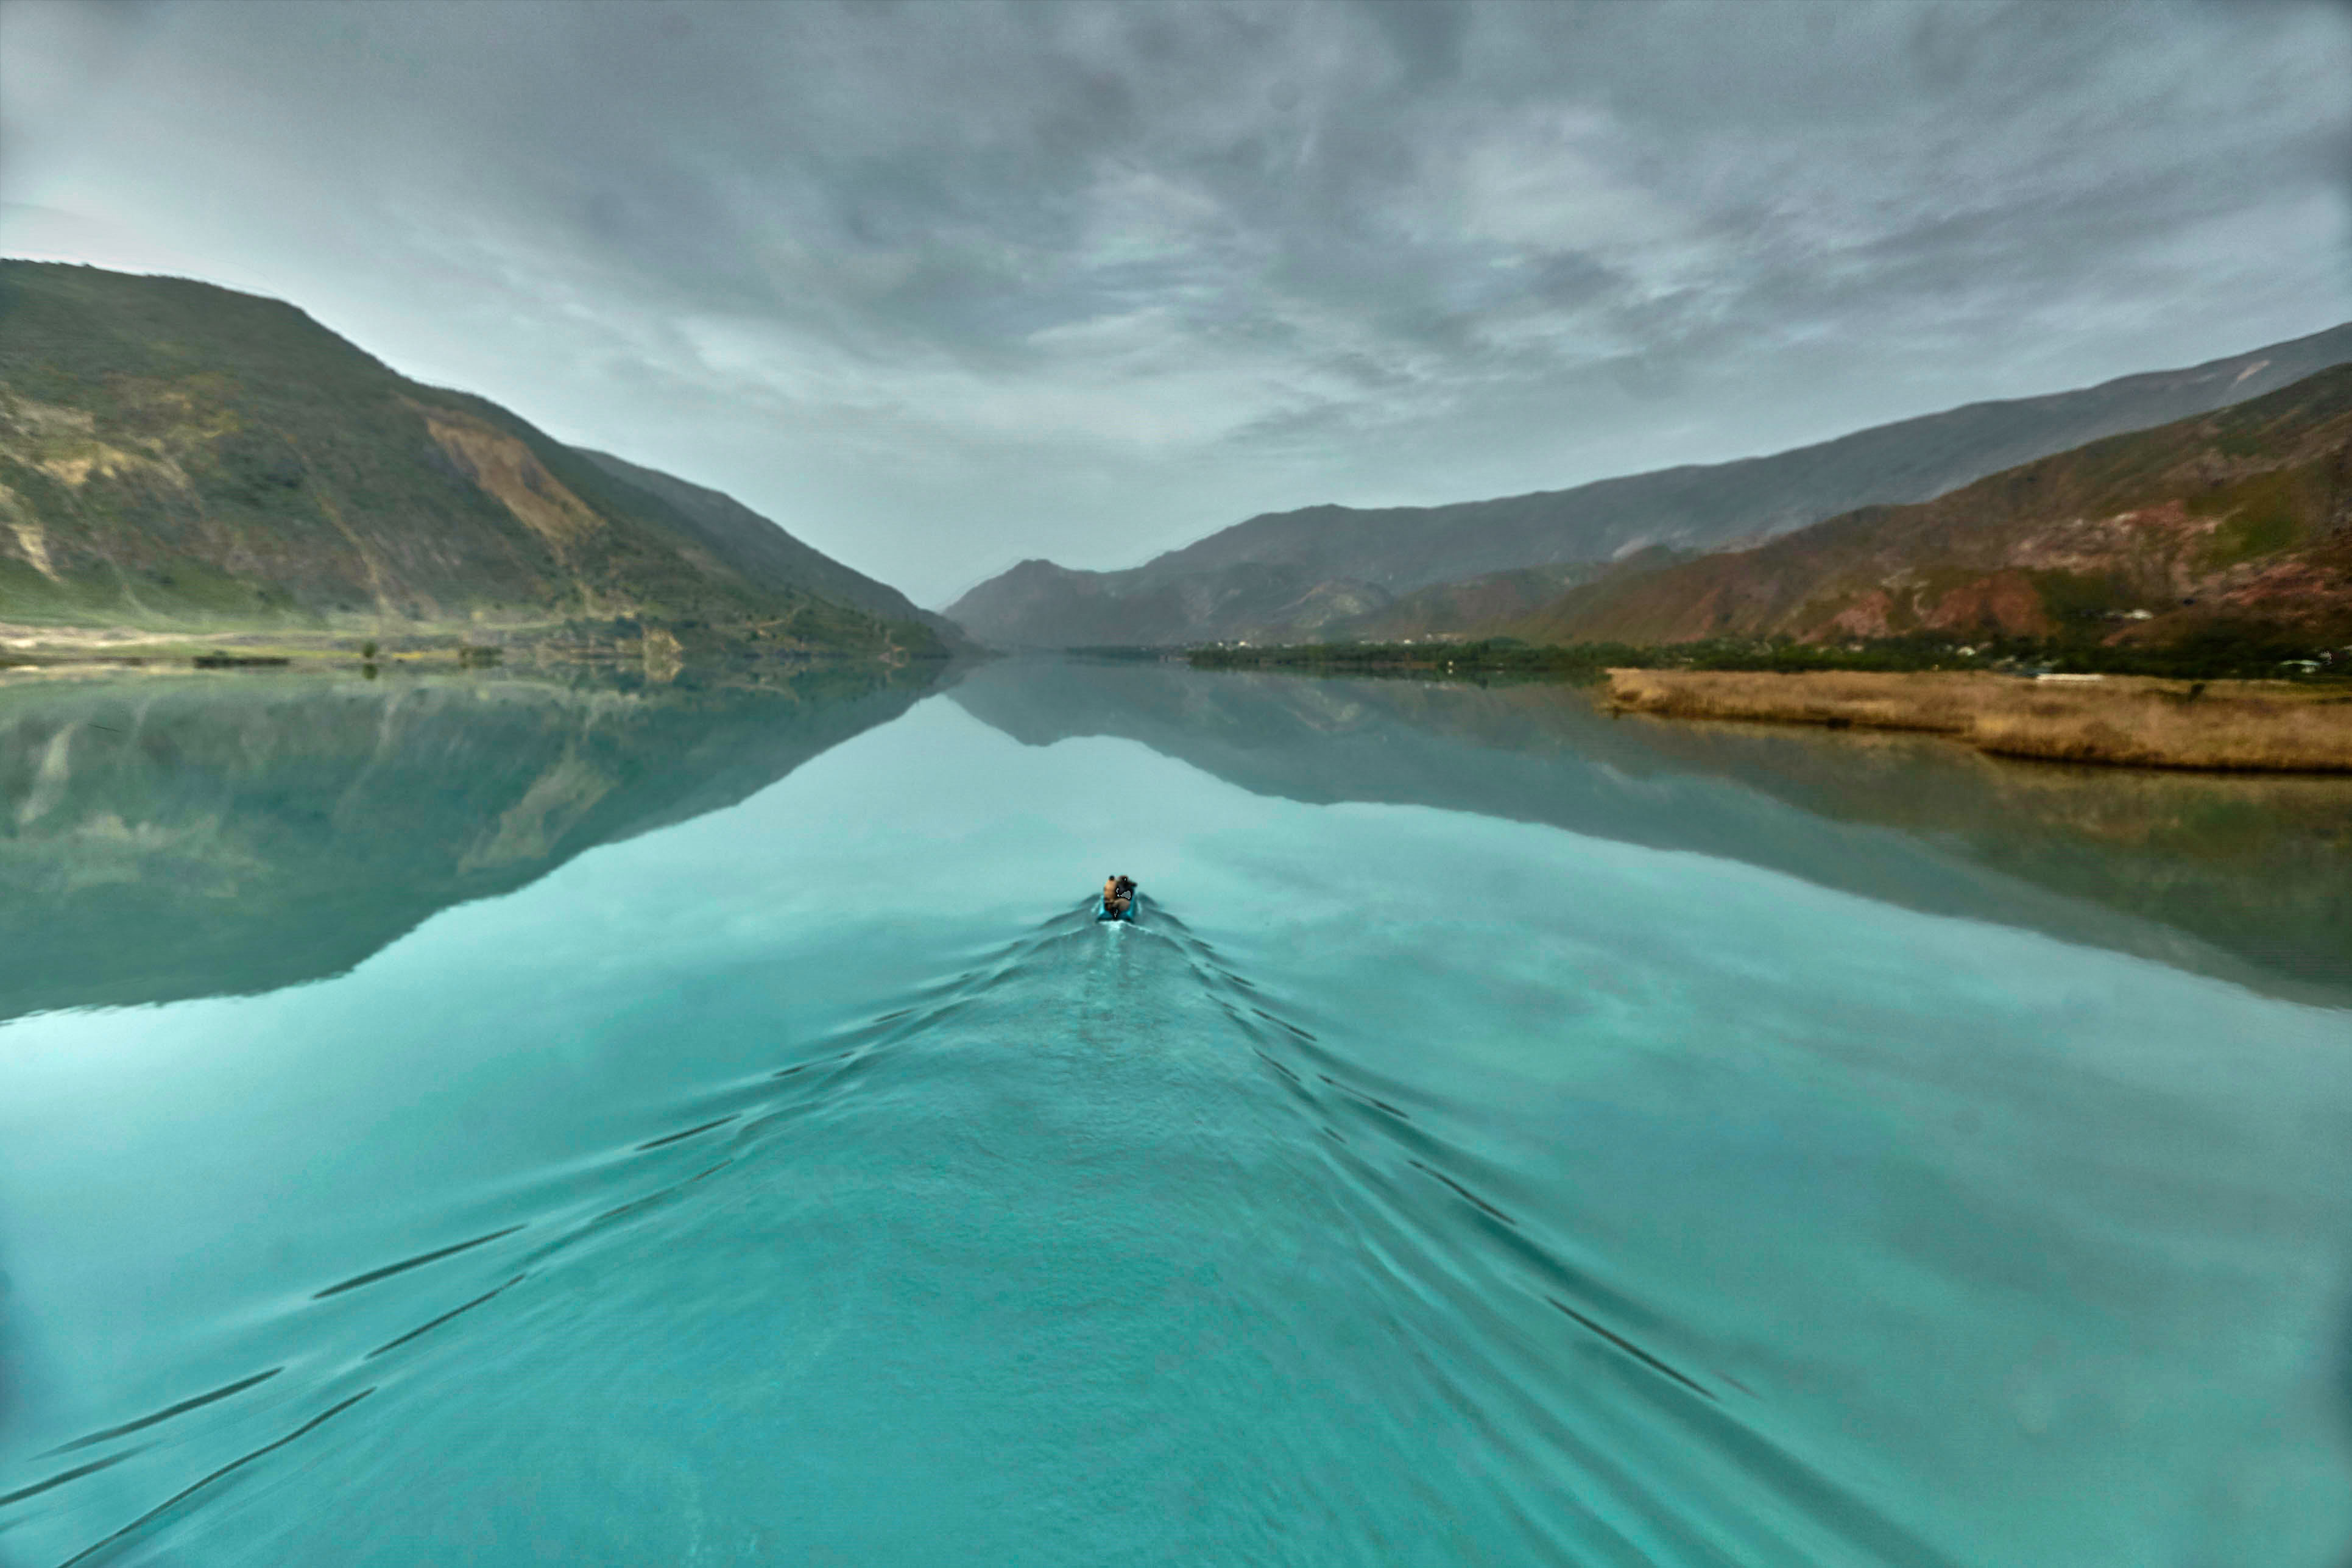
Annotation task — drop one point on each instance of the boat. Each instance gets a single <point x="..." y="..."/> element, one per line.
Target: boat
<point x="1103" y="908"/>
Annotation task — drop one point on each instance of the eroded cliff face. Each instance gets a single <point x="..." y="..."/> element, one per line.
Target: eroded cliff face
<point x="503" y="467"/>
<point x="2241" y="519"/>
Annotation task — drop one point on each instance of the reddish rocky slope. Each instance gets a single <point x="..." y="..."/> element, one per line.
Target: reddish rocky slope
<point x="2239" y="518"/>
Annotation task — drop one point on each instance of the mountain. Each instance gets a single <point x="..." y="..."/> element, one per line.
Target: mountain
<point x="1332" y="570"/>
<point x="764" y="552"/>
<point x="2236" y="523"/>
<point x="173" y="454"/>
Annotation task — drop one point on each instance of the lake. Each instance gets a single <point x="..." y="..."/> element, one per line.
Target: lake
<point x="489" y="1119"/>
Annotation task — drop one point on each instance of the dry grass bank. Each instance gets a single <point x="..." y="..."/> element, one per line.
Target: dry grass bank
<point x="2227" y="724"/>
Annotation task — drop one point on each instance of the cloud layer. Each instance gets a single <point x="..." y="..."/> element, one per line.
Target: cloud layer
<point x="939" y="287"/>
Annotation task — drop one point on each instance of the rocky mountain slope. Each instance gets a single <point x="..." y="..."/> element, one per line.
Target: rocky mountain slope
<point x="2233" y="523"/>
<point x="1332" y="571"/>
<point x="175" y="454"/>
<point x="764" y="552"/>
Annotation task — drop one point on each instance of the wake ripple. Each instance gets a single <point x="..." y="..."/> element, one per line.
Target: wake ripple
<point x="1617" y="1444"/>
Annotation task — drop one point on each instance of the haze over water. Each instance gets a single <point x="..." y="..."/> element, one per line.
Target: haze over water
<point x="707" y="1128"/>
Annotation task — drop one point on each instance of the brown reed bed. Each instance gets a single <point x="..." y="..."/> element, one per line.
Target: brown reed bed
<point x="2233" y="725"/>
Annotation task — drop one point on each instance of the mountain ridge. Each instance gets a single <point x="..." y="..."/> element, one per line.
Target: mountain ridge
<point x="177" y="453"/>
<point x="1332" y="570"/>
<point x="763" y="548"/>
<point x="2235" y="522"/>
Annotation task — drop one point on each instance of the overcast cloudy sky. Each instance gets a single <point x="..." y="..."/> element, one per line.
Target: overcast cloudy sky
<point x="940" y="287"/>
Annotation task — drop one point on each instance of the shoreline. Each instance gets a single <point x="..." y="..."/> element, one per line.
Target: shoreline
<point x="32" y="650"/>
<point x="2216" y="726"/>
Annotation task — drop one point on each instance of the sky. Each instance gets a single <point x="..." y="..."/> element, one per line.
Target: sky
<point x="943" y="287"/>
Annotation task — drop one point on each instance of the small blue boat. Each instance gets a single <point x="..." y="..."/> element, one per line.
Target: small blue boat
<point x="1103" y="910"/>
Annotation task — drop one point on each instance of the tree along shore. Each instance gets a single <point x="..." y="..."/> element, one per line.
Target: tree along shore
<point x="2226" y="653"/>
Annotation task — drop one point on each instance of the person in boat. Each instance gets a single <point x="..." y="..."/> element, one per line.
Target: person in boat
<point x="1118" y="894"/>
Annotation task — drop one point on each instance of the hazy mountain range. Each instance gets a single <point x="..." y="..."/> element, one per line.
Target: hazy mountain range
<point x="1478" y="567"/>
<point x="173" y="454"/>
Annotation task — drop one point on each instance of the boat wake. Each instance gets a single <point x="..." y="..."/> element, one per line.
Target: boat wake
<point x="1097" y="1193"/>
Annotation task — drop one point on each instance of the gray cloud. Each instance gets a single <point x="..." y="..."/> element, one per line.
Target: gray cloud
<point x="943" y="286"/>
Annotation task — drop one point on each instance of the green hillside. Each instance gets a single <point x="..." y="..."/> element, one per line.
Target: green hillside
<point x="764" y="553"/>
<point x="176" y="455"/>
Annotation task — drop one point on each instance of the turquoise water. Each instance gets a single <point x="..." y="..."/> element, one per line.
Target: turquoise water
<point x="1505" y="1137"/>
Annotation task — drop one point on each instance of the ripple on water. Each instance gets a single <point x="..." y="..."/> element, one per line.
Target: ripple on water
<point x="1693" y="1216"/>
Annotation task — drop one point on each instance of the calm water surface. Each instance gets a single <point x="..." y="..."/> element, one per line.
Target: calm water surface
<point x="485" y="1122"/>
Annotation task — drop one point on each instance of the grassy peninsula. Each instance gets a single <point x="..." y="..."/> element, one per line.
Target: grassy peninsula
<point x="2223" y="703"/>
<point x="2254" y="726"/>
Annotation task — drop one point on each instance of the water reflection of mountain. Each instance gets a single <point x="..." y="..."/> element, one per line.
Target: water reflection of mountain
<point x="170" y="838"/>
<point x="2246" y="877"/>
